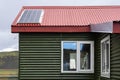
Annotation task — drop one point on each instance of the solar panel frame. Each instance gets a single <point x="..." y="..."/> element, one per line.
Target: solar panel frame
<point x="31" y="16"/>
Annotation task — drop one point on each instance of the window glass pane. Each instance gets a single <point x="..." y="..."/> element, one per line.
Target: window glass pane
<point x="103" y="57"/>
<point x="69" y="56"/>
<point x="84" y="56"/>
<point x="107" y="56"/>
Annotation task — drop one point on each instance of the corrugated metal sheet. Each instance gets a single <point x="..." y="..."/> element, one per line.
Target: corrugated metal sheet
<point x="62" y="16"/>
<point x="40" y="56"/>
<point x="71" y="16"/>
<point x="79" y="16"/>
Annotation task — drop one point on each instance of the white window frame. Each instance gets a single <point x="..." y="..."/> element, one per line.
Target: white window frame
<point x="105" y="74"/>
<point x="78" y="70"/>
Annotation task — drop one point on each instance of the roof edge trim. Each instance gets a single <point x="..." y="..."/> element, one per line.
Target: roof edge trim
<point x="62" y="7"/>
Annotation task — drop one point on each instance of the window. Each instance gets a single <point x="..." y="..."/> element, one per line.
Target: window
<point x="77" y="57"/>
<point x="105" y="57"/>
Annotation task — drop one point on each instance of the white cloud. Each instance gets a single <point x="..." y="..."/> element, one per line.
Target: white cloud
<point x="11" y="48"/>
<point x="8" y="49"/>
<point x="7" y="40"/>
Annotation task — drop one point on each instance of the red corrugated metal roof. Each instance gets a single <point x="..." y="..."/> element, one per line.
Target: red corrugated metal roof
<point x="58" y="18"/>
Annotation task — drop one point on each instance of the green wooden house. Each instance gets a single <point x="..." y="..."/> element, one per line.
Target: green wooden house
<point x="68" y="42"/>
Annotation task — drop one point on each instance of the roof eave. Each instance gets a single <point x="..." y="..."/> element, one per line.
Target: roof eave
<point x="18" y="29"/>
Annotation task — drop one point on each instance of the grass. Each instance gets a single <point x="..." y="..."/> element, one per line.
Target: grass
<point x="3" y="60"/>
<point x="8" y="71"/>
<point x="12" y="53"/>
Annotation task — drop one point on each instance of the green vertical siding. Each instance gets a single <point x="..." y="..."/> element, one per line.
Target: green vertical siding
<point x="40" y="56"/>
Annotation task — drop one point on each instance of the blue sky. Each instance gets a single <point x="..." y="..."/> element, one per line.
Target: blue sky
<point x="10" y="8"/>
<point x="70" y="45"/>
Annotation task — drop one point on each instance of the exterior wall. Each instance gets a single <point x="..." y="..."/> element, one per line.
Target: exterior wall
<point x="98" y="39"/>
<point x="40" y="56"/>
<point x="114" y="57"/>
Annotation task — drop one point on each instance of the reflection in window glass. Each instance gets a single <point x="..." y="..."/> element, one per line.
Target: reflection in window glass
<point x="84" y="56"/>
<point x="103" y="57"/>
<point x="107" y="54"/>
<point x="69" y="53"/>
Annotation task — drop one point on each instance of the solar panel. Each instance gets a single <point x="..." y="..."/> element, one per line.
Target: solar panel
<point x="31" y="16"/>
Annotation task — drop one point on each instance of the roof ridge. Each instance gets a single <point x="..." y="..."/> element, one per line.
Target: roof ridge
<point x="65" y="7"/>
